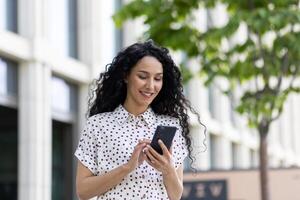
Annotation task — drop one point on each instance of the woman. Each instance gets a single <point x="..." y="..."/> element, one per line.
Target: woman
<point x="139" y="90"/>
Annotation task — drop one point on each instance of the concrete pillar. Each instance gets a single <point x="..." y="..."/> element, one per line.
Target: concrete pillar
<point x="35" y="139"/>
<point x="200" y="151"/>
<point x="223" y="155"/>
<point x="35" y="132"/>
<point x="89" y="26"/>
<point x="296" y="126"/>
<point x="243" y="157"/>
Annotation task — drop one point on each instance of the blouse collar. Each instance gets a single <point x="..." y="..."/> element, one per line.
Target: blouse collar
<point x="122" y="115"/>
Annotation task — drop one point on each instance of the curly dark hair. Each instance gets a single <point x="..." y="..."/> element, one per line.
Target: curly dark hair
<point x="109" y="90"/>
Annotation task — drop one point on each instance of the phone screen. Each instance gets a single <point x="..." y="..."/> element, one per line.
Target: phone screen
<point x="166" y="134"/>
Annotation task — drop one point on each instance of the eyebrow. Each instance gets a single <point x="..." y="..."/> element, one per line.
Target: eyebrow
<point x="148" y="72"/>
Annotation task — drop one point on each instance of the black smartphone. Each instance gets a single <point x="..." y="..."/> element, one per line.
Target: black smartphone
<point x="166" y="134"/>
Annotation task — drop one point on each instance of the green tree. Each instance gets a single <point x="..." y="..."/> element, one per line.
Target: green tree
<point x="272" y="64"/>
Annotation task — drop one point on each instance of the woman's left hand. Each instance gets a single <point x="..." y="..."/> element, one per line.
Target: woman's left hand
<point x="162" y="163"/>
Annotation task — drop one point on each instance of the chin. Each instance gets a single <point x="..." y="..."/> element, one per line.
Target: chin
<point x="145" y="103"/>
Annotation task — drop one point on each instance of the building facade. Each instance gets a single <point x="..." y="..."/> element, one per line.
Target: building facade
<point x="50" y="50"/>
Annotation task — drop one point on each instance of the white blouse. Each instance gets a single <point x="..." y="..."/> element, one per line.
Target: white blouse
<point x="108" y="140"/>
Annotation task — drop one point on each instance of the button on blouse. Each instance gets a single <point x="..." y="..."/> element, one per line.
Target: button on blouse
<point x="107" y="141"/>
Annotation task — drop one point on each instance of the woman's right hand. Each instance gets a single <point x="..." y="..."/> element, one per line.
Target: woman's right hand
<point x="137" y="156"/>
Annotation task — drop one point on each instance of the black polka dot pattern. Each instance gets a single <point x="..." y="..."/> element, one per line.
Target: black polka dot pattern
<point x="107" y="142"/>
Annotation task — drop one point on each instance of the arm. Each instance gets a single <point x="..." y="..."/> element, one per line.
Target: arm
<point x="88" y="185"/>
<point x="173" y="183"/>
<point x="172" y="178"/>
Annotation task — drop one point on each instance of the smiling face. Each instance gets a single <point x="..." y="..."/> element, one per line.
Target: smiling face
<point x="144" y="82"/>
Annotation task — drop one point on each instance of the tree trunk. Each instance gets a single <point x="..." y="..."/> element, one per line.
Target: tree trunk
<point x="263" y="155"/>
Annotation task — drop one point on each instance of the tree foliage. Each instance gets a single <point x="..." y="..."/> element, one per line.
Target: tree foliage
<point x="268" y="58"/>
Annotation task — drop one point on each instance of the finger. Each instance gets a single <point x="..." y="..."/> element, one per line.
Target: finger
<point x="143" y="156"/>
<point x="150" y="163"/>
<point x="156" y="155"/>
<point x="144" y="140"/>
<point x="141" y="140"/>
<point x="147" y="140"/>
<point x="138" y="148"/>
<point x="163" y="147"/>
<point x="149" y="156"/>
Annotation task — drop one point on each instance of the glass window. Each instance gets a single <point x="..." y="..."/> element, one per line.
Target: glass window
<point x="63" y="26"/>
<point x="64" y="112"/>
<point x="3" y="77"/>
<point x="234" y="155"/>
<point x="213" y="151"/>
<point x="118" y="32"/>
<point x="8" y="15"/>
<point x="72" y="29"/>
<point x="62" y="161"/>
<point x="232" y="102"/>
<point x="12" y="81"/>
<point x="60" y="95"/>
<point x="8" y="153"/>
<point x="211" y="101"/>
<point x="8" y="77"/>
<point x="64" y="96"/>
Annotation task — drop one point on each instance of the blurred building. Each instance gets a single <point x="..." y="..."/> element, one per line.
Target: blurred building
<point x="50" y="50"/>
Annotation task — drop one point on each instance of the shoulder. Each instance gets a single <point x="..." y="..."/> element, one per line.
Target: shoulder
<point x="100" y="119"/>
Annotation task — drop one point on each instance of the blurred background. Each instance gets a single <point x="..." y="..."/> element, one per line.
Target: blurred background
<point x="50" y="51"/>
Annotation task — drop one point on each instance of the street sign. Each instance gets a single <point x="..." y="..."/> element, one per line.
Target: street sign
<point x="205" y="190"/>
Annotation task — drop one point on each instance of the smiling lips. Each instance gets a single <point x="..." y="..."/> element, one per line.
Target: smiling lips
<point x="147" y="94"/>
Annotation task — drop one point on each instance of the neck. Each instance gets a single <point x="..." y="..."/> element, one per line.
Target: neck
<point x="134" y="109"/>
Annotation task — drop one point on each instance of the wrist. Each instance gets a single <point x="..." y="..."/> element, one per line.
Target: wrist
<point x="126" y="168"/>
<point x="169" y="170"/>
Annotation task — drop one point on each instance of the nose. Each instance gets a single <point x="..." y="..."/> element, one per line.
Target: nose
<point x="150" y="84"/>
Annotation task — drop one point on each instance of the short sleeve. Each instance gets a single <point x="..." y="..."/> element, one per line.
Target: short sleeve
<point x="180" y="151"/>
<point x="86" y="151"/>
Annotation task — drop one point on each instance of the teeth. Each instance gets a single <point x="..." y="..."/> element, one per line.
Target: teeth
<point x="147" y="94"/>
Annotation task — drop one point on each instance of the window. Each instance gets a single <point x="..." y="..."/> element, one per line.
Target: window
<point x="232" y="102"/>
<point x="8" y="83"/>
<point x="8" y="77"/>
<point x="3" y="77"/>
<point x="211" y="101"/>
<point x="64" y="115"/>
<point x="8" y="15"/>
<point x="64" y="100"/>
<point x="62" y="161"/>
<point x="72" y="29"/>
<point x="234" y="155"/>
<point x="118" y="32"/>
<point x="213" y="151"/>
<point x="8" y="153"/>
<point x="63" y="26"/>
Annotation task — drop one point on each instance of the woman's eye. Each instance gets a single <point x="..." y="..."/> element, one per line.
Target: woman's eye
<point x="142" y="77"/>
<point x="158" y="78"/>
